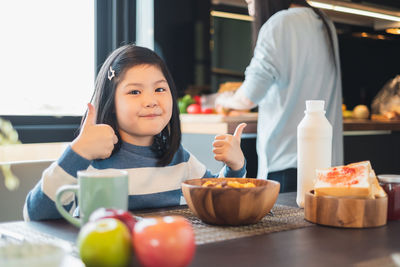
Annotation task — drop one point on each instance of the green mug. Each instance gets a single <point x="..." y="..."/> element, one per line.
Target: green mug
<point x="95" y="189"/>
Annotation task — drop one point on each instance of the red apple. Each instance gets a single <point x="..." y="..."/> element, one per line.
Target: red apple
<point x="197" y="99"/>
<point x="124" y="216"/>
<point x="207" y="110"/>
<point x="193" y="109"/>
<point x="164" y="241"/>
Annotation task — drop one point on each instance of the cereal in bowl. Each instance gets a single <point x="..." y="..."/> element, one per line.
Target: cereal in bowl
<point x="225" y="184"/>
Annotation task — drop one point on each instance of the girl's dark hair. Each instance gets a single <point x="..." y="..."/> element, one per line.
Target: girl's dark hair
<point x="264" y="9"/>
<point x="122" y="59"/>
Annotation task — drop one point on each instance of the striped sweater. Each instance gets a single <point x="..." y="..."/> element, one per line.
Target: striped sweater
<point x="149" y="186"/>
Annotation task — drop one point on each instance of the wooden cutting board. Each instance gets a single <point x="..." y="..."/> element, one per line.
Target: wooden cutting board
<point x="215" y="118"/>
<point x="345" y="211"/>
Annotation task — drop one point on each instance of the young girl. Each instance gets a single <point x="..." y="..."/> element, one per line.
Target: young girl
<point x="133" y="124"/>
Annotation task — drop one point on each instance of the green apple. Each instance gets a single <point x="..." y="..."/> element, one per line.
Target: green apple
<point x="106" y="242"/>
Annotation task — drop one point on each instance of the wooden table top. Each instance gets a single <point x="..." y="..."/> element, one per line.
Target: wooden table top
<point x="310" y="246"/>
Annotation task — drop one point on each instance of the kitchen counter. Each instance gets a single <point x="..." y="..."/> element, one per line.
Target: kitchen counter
<point x="370" y="125"/>
<point x="217" y="124"/>
<point x="362" y="140"/>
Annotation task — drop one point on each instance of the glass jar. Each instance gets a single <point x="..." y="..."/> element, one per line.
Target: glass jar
<point x="391" y="184"/>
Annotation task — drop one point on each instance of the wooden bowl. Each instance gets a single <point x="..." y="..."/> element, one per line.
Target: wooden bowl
<point x="348" y="212"/>
<point x="230" y="206"/>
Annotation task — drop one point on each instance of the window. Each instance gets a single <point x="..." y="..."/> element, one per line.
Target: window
<point x="47" y="57"/>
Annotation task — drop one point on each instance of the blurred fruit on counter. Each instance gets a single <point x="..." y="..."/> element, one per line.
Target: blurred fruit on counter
<point x="193" y="109"/>
<point x="347" y="114"/>
<point x="197" y="99"/>
<point x="361" y="112"/>
<point x="207" y="110"/>
<point x="184" y="102"/>
<point x="193" y="105"/>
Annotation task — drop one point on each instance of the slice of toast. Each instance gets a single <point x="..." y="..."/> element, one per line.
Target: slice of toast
<point x="377" y="190"/>
<point x="350" y="180"/>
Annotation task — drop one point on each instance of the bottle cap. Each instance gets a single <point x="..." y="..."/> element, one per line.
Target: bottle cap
<point x="315" y="105"/>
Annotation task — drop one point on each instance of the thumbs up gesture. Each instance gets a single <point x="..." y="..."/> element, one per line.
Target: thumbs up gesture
<point x="226" y="148"/>
<point x="95" y="141"/>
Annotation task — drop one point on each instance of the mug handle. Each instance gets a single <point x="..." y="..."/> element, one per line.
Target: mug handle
<point x="63" y="189"/>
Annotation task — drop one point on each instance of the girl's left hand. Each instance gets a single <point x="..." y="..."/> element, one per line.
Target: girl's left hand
<point x="227" y="148"/>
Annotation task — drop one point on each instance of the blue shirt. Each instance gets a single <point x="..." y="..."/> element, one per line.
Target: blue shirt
<point x="292" y="63"/>
<point x="149" y="186"/>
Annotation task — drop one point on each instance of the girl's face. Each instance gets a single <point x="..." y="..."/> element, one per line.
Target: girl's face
<point x="143" y="104"/>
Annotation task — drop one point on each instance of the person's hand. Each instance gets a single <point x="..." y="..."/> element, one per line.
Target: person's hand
<point x="228" y="101"/>
<point x="227" y="148"/>
<point x="95" y="141"/>
<point x="222" y="110"/>
<point x="221" y="102"/>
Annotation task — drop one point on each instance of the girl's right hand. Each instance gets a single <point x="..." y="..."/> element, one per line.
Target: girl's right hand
<point x="95" y="141"/>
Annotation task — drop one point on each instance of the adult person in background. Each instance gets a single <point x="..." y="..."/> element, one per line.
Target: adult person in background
<point x="295" y="59"/>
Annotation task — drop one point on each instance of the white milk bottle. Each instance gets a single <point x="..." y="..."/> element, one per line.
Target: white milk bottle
<point x="314" y="147"/>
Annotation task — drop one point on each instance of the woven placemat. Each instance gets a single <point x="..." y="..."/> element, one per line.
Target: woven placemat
<point x="282" y="218"/>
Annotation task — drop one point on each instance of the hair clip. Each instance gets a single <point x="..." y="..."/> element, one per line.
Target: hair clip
<point x="111" y="73"/>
